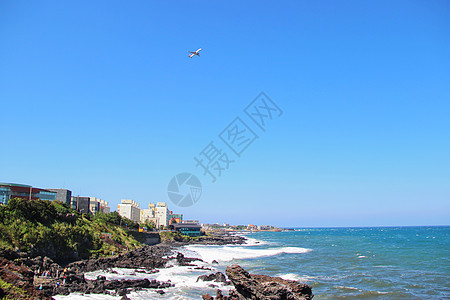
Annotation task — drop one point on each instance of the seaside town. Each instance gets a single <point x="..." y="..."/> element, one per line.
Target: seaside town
<point x="157" y="216"/>
<point x="224" y="150"/>
<point x="50" y="240"/>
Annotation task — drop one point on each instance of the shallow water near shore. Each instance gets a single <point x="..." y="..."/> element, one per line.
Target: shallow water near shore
<point x="339" y="263"/>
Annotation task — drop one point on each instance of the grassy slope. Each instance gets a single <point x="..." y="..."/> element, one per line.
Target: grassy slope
<point x="54" y="229"/>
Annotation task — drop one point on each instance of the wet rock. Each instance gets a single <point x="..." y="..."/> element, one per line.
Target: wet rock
<point x="185" y="261"/>
<point x="77" y="283"/>
<point x="202" y="268"/>
<point x="219" y="295"/>
<point x="207" y="297"/>
<point x="263" y="286"/>
<point x="217" y="277"/>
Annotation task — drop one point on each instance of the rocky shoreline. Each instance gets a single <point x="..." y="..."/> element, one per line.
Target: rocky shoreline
<point x="26" y="272"/>
<point x="249" y="286"/>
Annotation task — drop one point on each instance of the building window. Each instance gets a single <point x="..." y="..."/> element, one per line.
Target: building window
<point x="43" y="195"/>
<point x="4" y="195"/>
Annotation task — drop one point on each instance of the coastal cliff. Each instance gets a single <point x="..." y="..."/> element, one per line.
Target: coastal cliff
<point x="52" y="229"/>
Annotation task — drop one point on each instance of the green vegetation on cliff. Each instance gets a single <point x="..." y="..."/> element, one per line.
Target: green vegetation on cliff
<point x="171" y="236"/>
<point x="53" y="229"/>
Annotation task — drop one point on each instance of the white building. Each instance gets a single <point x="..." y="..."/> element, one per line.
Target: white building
<point x="129" y="209"/>
<point x="162" y="213"/>
<point x="150" y="215"/>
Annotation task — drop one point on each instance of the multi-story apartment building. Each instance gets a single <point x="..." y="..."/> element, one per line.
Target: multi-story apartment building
<point x="129" y="209"/>
<point x="162" y="213"/>
<point x="150" y="215"/>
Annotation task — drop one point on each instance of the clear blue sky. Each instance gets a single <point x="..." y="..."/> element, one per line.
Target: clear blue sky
<point x="100" y="97"/>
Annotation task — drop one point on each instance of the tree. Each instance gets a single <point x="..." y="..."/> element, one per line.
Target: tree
<point x="150" y="225"/>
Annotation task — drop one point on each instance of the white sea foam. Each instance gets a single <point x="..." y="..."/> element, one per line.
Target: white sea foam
<point x="184" y="278"/>
<point x="78" y="296"/>
<point x="228" y="253"/>
<point x="348" y="288"/>
<point x="254" y="242"/>
<point x="296" y="277"/>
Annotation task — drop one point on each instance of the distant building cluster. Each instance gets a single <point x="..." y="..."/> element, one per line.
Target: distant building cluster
<point x="250" y="227"/>
<point x="159" y="213"/>
<point x="89" y="205"/>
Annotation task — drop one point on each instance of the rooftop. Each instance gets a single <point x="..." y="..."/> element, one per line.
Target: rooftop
<point x="14" y="184"/>
<point x="184" y="225"/>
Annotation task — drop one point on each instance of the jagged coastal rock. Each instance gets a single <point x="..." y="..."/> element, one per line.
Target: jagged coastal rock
<point x="77" y="283"/>
<point x="25" y="272"/>
<point x="248" y="286"/>
<point x="147" y="257"/>
<point x="217" y="277"/>
<point x="19" y="280"/>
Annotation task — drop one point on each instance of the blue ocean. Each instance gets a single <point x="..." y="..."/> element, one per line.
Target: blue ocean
<point x="339" y="263"/>
<point x="363" y="263"/>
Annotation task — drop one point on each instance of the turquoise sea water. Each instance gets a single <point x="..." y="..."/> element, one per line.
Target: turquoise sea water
<point x="339" y="263"/>
<point x="363" y="263"/>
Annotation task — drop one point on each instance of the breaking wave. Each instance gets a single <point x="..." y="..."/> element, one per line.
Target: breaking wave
<point x="228" y="253"/>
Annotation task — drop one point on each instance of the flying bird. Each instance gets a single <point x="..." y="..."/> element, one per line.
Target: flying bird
<point x="195" y="53"/>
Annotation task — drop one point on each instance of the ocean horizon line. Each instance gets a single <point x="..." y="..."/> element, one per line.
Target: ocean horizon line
<point x="379" y="226"/>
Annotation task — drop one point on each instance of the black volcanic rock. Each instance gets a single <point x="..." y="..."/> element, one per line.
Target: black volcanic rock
<point x="263" y="287"/>
<point x="202" y="268"/>
<point x="217" y="277"/>
<point x="21" y="277"/>
<point x="70" y="278"/>
<point x="148" y="257"/>
<point x="249" y="286"/>
<point x="77" y="283"/>
<point x="186" y="261"/>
